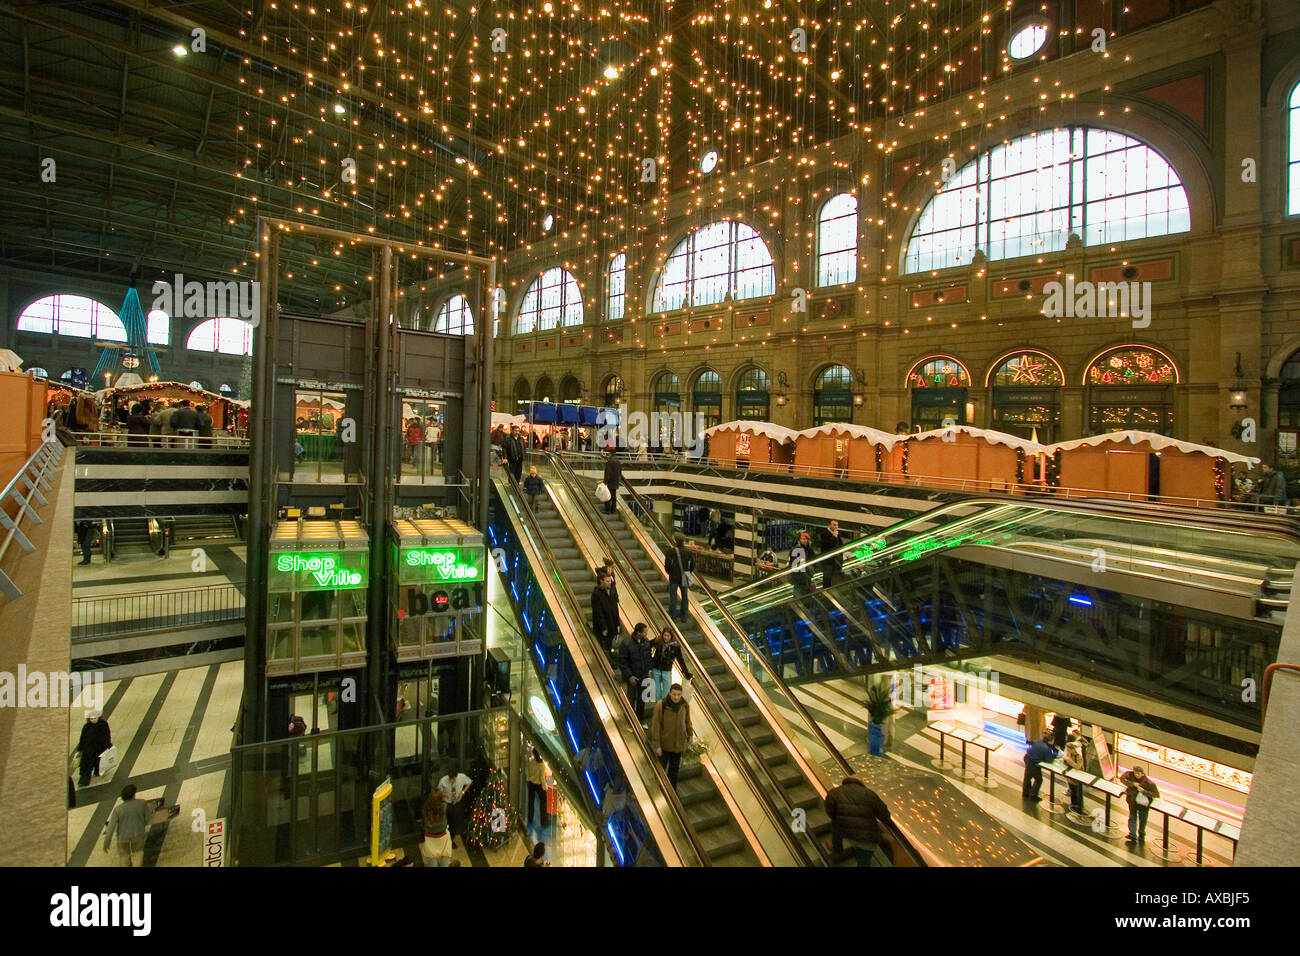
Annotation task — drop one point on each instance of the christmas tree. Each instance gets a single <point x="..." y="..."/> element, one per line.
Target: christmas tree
<point x="492" y="818"/>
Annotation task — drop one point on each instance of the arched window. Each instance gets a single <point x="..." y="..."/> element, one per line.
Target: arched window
<point x="1027" y="197"/>
<point x="552" y="300"/>
<point x="666" y="402"/>
<point x="614" y="391"/>
<point x="225" y="335"/>
<point x="1131" y="387"/>
<point x="1026" y="395"/>
<point x="198" y="385"/>
<point x="545" y="389"/>
<point x="837" y="240"/>
<point x="570" y="389"/>
<point x="38" y="372"/>
<point x="833" y="396"/>
<point x="455" y="317"/>
<point x="1288" y="411"/>
<point x="1293" y="163"/>
<point x="158" y="327"/>
<point x="753" y="398"/>
<point x="616" y="288"/>
<point x="72" y="315"/>
<point x="523" y="391"/>
<point x="939" y="387"/>
<point x="715" y="261"/>
<point x="225" y="390"/>
<point x="706" y="398"/>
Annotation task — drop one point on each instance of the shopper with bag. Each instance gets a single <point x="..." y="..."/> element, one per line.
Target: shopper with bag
<point x="1141" y="791"/>
<point x="680" y="564"/>
<point x="670" y="731"/>
<point x="613" y="477"/>
<point x="96" y="739"/>
<point x="635" y="658"/>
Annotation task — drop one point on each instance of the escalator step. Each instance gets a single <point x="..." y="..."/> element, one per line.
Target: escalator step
<point x="722" y="842"/>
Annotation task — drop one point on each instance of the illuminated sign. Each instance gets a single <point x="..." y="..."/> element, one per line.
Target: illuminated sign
<point x="320" y="570"/>
<point x="458" y="600"/>
<point x="451" y="565"/>
<point x="1201" y="767"/>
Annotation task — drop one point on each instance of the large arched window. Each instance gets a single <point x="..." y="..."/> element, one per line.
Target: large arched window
<point x="940" y="386"/>
<point x="225" y="335"/>
<point x="753" y="397"/>
<point x="837" y="240"/>
<point x="715" y="261"/>
<point x="1027" y="196"/>
<point x="552" y="300"/>
<point x="1293" y="163"/>
<point x="545" y="389"/>
<point x="1026" y="396"/>
<point x="833" y="396"/>
<point x="706" y="398"/>
<point x="72" y="315"/>
<point x="666" y="402"/>
<point x="616" y="288"/>
<point x="1131" y="387"/>
<point x="523" y="391"/>
<point x="455" y="317"/>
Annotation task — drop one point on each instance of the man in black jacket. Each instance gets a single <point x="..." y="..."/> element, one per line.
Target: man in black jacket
<point x="679" y="563"/>
<point x="95" y="739"/>
<point x="613" y="475"/>
<point x="830" y="538"/>
<point x="856" y="812"/>
<point x="604" y="611"/>
<point x="513" y="449"/>
<point x="634" y="659"/>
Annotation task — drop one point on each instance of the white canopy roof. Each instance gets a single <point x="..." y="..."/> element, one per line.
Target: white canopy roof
<point x="503" y="418"/>
<point x="1158" y="442"/>
<point x="873" y="435"/>
<point x="988" y="434"/>
<point x="778" y="433"/>
<point x="10" y="361"/>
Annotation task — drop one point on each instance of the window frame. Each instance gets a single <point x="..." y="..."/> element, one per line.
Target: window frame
<point x="445" y="310"/>
<point x="823" y="253"/>
<point x="97" y="312"/>
<point x="246" y="335"/>
<point x="538" y="284"/>
<point x="616" y="300"/>
<point x="687" y="249"/>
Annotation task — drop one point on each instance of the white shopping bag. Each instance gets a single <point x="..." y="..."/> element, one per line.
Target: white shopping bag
<point x="108" y="761"/>
<point x="602" y="493"/>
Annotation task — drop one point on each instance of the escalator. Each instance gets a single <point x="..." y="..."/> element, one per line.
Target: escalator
<point x="130" y="538"/>
<point x="641" y="821"/>
<point x="1183" y="607"/>
<point x="758" y="714"/>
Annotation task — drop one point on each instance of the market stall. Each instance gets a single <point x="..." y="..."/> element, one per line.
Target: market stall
<point x="223" y="410"/>
<point x="837" y="449"/>
<point x="24" y="400"/>
<point x="977" y="458"/>
<point x="761" y="446"/>
<point x="1139" y="464"/>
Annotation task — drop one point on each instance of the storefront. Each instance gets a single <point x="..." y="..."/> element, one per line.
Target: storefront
<point x="833" y="396"/>
<point x="1026" y="396"/>
<point x="706" y="398"/>
<point x="939" y="388"/>
<point x="753" y="396"/>
<point x="1131" y="388"/>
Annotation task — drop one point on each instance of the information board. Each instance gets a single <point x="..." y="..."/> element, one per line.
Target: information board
<point x="1103" y="752"/>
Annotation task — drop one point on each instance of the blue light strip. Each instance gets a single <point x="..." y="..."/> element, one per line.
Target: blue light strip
<point x="1081" y="599"/>
<point x="618" y="847"/>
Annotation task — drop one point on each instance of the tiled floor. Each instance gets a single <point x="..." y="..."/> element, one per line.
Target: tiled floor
<point x="173" y="732"/>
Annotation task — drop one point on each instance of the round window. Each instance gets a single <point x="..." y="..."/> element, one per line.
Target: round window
<point x="710" y="161"/>
<point x="1027" y="41"/>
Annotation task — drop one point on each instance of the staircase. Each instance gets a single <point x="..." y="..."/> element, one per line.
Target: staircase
<point x="798" y="791"/>
<point x="204" y="529"/>
<point x="706" y="811"/>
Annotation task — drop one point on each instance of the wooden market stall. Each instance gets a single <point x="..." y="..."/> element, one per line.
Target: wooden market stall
<point x="976" y="458"/>
<point x="1136" y="464"/>
<point x="842" y="450"/>
<point x="224" y="411"/>
<point x="23" y="399"/>
<point x="761" y="446"/>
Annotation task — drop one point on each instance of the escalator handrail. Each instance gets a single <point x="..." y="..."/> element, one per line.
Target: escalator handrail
<point x="578" y="623"/>
<point x="813" y="727"/>
<point x="651" y="602"/>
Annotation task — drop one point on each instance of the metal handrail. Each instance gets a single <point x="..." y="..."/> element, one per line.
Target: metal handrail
<point x="651" y="602"/>
<point x="49" y="454"/>
<point x="538" y="540"/>
<point x="158" y="442"/>
<point x="897" y="830"/>
<point x="201" y="601"/>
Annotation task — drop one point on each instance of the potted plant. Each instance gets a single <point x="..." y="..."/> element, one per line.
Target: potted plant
<point x="880" y="707"/>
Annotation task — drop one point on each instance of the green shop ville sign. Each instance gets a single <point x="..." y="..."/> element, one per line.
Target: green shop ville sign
<point x="320" y="570"/>
<point x="443" y="564"/>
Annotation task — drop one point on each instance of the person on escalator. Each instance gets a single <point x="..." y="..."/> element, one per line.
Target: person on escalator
<point x="680" y="565"/>
<point x="670" y="731"/>
<point x="533" y="488"/>
<point x="831" y="538"/>
<point x="800" y="555"/>
<point x="666" y="652"/>
<point x="513" y="451"/>
<point x="635" y="657"/>
<point x="856" y="812"/>
<point x="613" y="477"/>
<point x="604" y="611"/>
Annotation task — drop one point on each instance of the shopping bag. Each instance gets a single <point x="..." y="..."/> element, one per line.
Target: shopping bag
<point x="602" y="493"/>
<point x="108" y="761"/>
